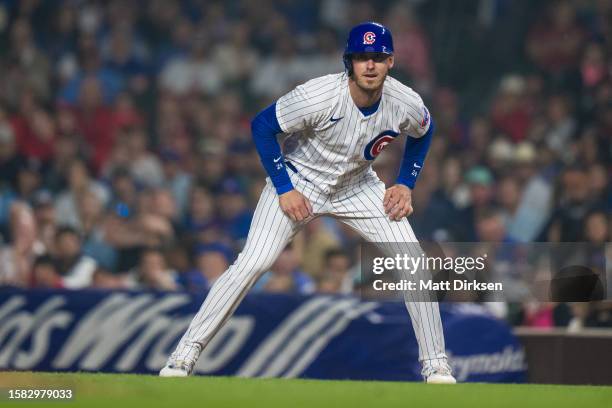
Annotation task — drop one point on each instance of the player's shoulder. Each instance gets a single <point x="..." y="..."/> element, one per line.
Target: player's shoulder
<point x="400" y="93"/>
<point x="414" y="112"/>
<point x="329" y="83"/>
<point x="317" y="91"/>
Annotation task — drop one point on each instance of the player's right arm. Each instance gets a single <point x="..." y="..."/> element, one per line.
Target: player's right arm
<point x="304" y="107"/>
<point x="265" y="127"/>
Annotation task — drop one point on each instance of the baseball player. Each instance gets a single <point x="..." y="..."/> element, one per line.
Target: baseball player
<point x="336" y="125"/>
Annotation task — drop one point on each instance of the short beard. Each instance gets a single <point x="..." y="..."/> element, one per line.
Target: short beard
<point x="368" y="90"/>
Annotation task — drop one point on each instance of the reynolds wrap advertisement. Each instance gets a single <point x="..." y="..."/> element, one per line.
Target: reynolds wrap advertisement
<point x="325" y="337"/>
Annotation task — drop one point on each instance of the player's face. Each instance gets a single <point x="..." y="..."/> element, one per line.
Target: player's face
<point x="370" y="69"/>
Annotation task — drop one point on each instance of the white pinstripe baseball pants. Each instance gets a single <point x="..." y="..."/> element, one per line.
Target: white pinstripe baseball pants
<point x="361" y="207"/>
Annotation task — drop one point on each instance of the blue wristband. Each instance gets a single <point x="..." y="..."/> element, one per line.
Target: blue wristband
<point x="265" y="127"/>
<point x="414" y="157"/>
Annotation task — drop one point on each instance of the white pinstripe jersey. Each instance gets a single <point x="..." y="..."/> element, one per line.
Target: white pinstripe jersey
<point x="331" y="142"/>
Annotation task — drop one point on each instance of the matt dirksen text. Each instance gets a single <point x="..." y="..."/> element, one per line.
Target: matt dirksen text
<point x="455" y="284"/>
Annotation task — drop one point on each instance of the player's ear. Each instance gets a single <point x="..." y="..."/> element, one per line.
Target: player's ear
<point x="391" y="61"/>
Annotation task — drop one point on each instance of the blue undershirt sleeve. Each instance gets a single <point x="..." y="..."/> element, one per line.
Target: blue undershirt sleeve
<point x="264" y="128"/>
<point x="414" y="157"/>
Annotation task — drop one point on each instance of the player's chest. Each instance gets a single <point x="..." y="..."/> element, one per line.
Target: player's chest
<point x="358" y="135"/>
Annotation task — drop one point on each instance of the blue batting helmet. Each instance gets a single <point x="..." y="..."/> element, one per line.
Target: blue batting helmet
<point x="367" y="37"/>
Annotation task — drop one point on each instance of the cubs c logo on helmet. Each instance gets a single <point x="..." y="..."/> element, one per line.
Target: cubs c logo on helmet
<point x="377" y="144"/>
<point x="369" y="38"/>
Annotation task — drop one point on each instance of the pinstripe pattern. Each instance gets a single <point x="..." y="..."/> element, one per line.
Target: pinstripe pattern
<point x="361" y="207"/>
<point x="338" y="180"/>
<point x="331" y="153"/>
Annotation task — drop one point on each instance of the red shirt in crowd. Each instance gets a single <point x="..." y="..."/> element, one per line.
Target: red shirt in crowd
<point x="97" y="126"/>
<point x="31" y="143"/>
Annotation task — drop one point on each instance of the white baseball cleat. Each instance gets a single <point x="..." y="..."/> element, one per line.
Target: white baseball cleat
<point x="182" y="366"/>
<point x="171" y="371"/>
<point x="439" y="374"/>
<point x="440" y="379"/>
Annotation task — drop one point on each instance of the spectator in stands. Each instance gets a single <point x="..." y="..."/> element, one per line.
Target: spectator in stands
<point x="45" y="273"/>
<point x="201" y="215"/>
<point x="480" y="182"/>
<point x="90" y="211"/>
<point x="91" y="228"/>
<point x="153" y="272"/>
<point x="125" y="112"/>
<point x="236" y="48"/>
<point x="554" y="41"/>
<point x="490" y="226"/>
<point x="62" y="37"/>
<point x="536" y="199"/>
<point x="74" y="267"/>
<point x="95" y="121"/>
<point x="130" y="82"/>
<point x="448" y="117"/>
<point x="411" y="47"/>
<point x="175" y="45"/>
<point x="125" y="54"/>
<point x="21" y="248"/>
<point x="29" y="179"/>
<point x="91" y="73"/>
<point x="130" y="230"/>
<point x="124" y="192"/>
<point x="67" y="149"/>
<point x="79" y="182"/>
<point x="561" y="124"/>
<point x="326" y="59"/>
<point x="574" y="203"/>
<point x="599" y="315"/>
<point x="279" y="70"/>
<point x="436" y="218"/>
<point x="175" y="124"/>
<point x="45" y="217"/>
<point x="592" y="74"/>
<point x="144" y="166"/>
<point x="194" y="72"/>
<point x="176" y="180"/>
<point x="179" y="258"/>
<point x="10" y="158"/>
<point x="479" y="139"/>
<point x="509" y="113"/>
<point x="597" y="227"/>
<point x="509" y="196"/>
<point x="234" y="215"/>
<point x="545" y="315"/>
<point x="106" y="279"/>
<point x="163" y="205"/>
<point x="317" y="240"/>
<point x="599" y="186"/>
<point x="337" y="277"/>
<point x="285" y="275"/>
<point x="328" y="285"/>
<point x="210" y="260"/>
<point x="211" y="166"/>
<point x="34" y="128"/>
<point x="28" y="68"/>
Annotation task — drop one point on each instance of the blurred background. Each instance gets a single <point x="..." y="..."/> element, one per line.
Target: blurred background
<point x="126" y="158"/>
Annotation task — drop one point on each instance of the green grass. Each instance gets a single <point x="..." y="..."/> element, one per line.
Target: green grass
<point x="111" y="391"/>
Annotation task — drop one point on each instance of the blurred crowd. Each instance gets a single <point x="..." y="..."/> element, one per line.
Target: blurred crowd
<point x="126" y="158"/>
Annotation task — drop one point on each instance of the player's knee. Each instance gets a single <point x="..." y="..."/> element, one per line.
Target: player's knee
<point x="250" y="266"/>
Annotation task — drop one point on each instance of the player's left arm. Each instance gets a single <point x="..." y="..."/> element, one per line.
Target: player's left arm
<point x="398" y="198"/>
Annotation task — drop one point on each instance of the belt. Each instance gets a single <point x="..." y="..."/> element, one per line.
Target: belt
<point x="292" y="167"/>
